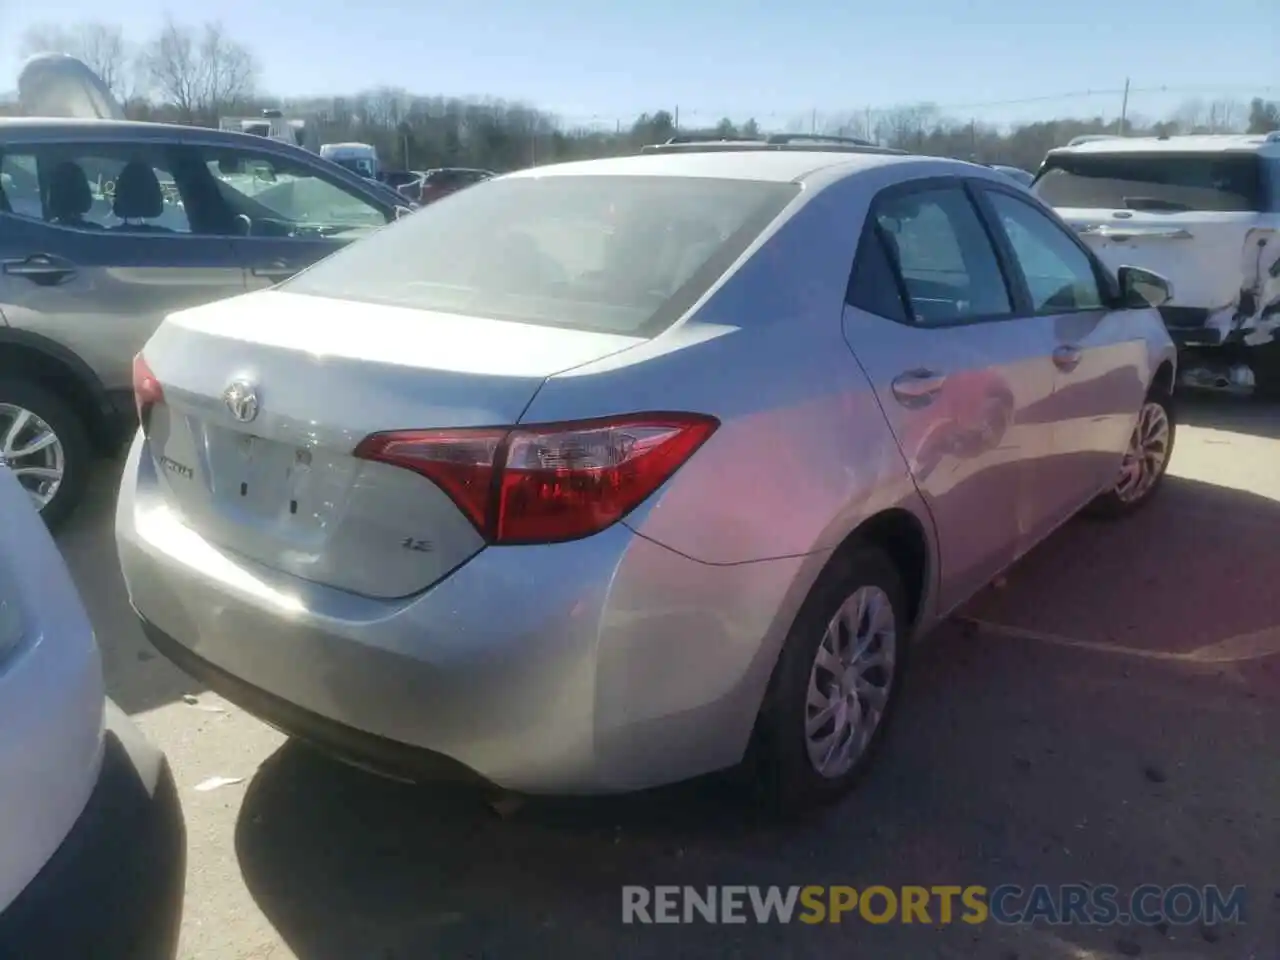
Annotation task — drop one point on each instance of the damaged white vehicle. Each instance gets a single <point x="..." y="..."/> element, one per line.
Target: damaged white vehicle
<point x="1203" y="211"/>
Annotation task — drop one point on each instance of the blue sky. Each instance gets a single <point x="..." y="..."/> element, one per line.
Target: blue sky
<point x="738" y="57"/>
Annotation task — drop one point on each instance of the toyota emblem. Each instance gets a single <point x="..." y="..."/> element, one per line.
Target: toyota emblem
<point x="242" y="400"/>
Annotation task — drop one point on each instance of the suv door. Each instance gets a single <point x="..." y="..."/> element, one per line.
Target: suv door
<point x="931" y="317"/>
<point x="284" y="213"/>
<point x="1100" y="355"/>
<point x="96" y="248"/>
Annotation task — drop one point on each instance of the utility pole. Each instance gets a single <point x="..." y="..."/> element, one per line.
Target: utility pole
<point x="813" y="121"/>
<point x="973" y="139"/>
<point x="1124" y="109"/>
<point x="676" y="119"/>
<point x="870" y="136"/>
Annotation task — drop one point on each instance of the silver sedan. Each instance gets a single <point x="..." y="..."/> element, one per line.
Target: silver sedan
<point x="604" y="475"/>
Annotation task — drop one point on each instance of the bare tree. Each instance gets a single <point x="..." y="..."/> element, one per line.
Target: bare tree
<point x="1227" y="116"/>
<point x="101" y="46"/>
<point x="200" y="72"/>
<point x="907" y="126"/>
<point x="1191" y="115"/>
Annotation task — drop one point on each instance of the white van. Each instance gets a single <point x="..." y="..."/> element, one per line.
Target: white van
<point x="1203" y="211"/>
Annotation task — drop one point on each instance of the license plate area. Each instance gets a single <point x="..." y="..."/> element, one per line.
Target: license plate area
<point x="261" y="478"/>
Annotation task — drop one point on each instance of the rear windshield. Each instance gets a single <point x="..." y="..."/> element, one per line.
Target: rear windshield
<point x="1168" y="182"/>
<point x="615" y="254"/>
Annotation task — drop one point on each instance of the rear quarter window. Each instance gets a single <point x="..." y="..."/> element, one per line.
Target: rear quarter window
<point x="1170" y="182"/>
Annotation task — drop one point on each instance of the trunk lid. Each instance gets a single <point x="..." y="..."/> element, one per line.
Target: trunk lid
<point x="275" y="481"/>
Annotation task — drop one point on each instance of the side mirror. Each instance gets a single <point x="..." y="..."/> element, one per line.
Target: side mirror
<point x="1141" y="288"/>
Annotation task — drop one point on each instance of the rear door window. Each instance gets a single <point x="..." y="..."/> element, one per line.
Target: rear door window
<point x="944" y="256"/>
<point x="120" y="187"/>
<point x="1154" y="182"/>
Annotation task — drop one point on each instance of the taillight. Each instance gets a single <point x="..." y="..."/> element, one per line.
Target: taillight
<point x="146" y="389"/>
<point x="543" y="483"/>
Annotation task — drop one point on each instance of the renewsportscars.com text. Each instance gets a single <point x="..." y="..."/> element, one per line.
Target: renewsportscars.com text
<point x="1079" y="903"/>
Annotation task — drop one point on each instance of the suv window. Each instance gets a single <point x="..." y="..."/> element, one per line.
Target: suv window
<point x="944" y="256"/>
<point x="20" y="186"/>
<point x="1160" y="182"/>
<point x="1059" y="274"/>
<point x="121" y="187"/>
<point x="277" y="197"/>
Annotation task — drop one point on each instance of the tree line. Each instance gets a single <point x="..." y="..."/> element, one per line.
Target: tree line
<point x="197" y="73"/>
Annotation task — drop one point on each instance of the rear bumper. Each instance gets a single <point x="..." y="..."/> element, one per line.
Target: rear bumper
<point x="387" y="757"/>
<point x="1198" y="337"/>
<point x="601" y="665"/>
<point x="113" y="890"/>
<point x="1195" y="326"/>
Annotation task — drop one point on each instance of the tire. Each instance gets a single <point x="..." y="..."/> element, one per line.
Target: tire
<point x="788" y="779"/>
<point x="72" y="438"/>
<point x="1116" y="503"/>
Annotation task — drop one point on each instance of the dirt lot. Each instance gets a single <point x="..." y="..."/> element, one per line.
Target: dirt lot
<point x="1111" y="714"/>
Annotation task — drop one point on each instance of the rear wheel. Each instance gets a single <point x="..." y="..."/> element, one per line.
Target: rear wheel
<point x="1145" y="462"/>
<point x="835" y="684"/>
<point x="44" y="443"/>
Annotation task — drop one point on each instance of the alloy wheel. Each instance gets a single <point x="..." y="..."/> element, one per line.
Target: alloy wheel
<point x="32" y="451"/>
<point x="1148" y="453"/>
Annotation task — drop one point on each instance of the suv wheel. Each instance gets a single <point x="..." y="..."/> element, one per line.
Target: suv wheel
<point x="44" y="443"/>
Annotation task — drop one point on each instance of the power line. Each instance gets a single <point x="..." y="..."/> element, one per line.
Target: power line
<point x="1220" y="90"/>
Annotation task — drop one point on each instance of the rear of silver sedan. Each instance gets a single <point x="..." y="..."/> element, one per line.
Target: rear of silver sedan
<point x="406" y="509"/>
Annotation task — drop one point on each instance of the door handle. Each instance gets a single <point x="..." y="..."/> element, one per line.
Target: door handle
<point x="275" y="270"/>
<point x="918" y="388"/>
<point x="41" y="268"/>
<point x="1067" y="357"/>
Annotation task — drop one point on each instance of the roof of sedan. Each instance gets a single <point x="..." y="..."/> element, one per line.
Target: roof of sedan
<point x="777" y="166"/>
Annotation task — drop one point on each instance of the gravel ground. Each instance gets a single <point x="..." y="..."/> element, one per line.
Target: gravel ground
<point x="1108" y="714"/>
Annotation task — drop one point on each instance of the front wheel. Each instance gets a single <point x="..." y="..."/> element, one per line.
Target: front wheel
<point x="1145" y="462"/>
<point x="835" y="684"/>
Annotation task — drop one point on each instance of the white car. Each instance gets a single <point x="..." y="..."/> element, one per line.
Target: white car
<point x="1203" y="211"/>
<point x="92" y="840"/>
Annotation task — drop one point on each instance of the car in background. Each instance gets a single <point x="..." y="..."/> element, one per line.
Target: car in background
<point x="672" y="456"/>
<point x="441" y="182"/>
<point x="106" y="226"/>
<point x="1016" y="174"/>
<point x="395" y="179"/>
<point x="1203" y="210"/>
<point x="92" y="841"/>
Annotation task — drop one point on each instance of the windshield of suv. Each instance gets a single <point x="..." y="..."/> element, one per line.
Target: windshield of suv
<point x="617" y="254"/>
<point x="1161" y="182"/>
